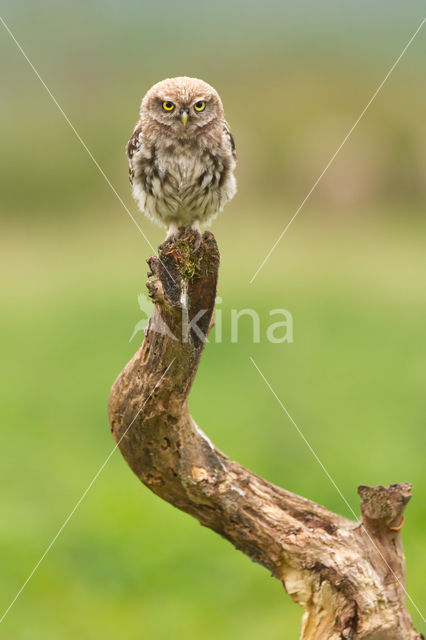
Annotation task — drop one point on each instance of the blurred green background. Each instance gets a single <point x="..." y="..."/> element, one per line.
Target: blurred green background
<point x="351" y="269"/>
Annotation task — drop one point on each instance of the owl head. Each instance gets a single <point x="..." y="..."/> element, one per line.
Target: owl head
<point x="183" y="105"/>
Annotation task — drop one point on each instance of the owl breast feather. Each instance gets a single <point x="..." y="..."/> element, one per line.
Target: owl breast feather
<point x="183" y="186"/>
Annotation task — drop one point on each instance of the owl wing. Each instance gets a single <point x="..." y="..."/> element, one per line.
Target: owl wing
<point x="231" y="139"/>
<point x="132" y="146"/>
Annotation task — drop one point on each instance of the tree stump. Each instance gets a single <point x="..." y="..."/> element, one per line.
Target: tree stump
<point x="349" y="576"/>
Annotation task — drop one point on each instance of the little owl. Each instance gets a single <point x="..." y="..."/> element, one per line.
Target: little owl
<point x="181" y="155"/>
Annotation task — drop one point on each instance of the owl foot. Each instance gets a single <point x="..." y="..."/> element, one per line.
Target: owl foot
<point x="170" y="240"/>
<point x="172" y="236"/>
<point x="197" y="243"/>
<point x="194" y="231"/>
<point x="195" y="228"/>
<point x="175" y="233"/>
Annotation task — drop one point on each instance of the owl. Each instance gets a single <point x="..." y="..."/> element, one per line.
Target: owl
<point x="182" y="155"/>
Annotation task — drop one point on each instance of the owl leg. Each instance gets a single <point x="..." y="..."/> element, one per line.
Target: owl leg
<point x="195" y="226"/>
<point x="172" y="231"/>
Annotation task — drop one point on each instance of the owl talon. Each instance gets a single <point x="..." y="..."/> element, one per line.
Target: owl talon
<point x="197" y="243"/>
<point x="171" y="238"/>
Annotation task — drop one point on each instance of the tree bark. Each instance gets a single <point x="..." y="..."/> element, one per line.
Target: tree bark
<point x="349" y="576"/>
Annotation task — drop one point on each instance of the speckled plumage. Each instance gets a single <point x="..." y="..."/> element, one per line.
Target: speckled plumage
<point x="181" y="166"/>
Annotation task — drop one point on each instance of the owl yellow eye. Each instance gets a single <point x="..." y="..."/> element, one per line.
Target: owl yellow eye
<point x="200" y="105"/>
<point x="168" y="106"/>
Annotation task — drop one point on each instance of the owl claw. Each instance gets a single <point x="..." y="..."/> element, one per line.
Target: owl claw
<point x="188" y="231"/>
<point x="170" y="239"/>
<point x="197" y="243"/>
<point x="195" y="229"/>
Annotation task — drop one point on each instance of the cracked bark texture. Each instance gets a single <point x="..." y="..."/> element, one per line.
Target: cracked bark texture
<point x="349" y="576"/>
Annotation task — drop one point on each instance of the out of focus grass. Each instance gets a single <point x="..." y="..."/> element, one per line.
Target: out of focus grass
<point x="353" y="381"/>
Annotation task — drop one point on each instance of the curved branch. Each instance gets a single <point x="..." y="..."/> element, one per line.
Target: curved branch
<point x="349" y="576"/>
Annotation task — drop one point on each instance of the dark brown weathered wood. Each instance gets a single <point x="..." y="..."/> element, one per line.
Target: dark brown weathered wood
<point x="349" y="576"/>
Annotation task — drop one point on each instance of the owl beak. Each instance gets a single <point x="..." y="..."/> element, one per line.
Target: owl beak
<point x="184" y="113"/>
